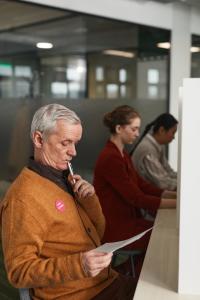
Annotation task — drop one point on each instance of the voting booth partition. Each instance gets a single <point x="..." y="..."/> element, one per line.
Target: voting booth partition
<point x="171" y="268"/>
<point x="188" y="190"/>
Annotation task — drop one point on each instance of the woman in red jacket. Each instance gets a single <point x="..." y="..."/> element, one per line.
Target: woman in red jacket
<point x="121" y="191"/>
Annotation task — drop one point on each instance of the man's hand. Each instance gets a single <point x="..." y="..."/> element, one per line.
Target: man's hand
<point x="94" y="262"/>
<point x="81" y="187"/>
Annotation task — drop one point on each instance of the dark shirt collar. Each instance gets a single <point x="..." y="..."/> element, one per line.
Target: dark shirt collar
<point x="58" y="177"/>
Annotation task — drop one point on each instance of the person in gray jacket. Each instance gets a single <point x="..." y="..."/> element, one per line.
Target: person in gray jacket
<point x="149" y="157"/>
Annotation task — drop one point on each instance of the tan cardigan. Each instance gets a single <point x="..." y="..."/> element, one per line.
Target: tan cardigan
<point x="43" y="237"/>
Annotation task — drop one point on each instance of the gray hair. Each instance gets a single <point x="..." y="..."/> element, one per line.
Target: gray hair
<point x="45" y="118"/>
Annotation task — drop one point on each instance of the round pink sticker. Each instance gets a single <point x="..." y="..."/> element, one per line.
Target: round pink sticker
<point x="60" y="205"/>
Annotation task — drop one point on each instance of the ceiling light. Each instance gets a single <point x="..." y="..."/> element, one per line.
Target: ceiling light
<point x="119" y="53"/>
<point x="195" y="49"/>
<point x="44" y="45"/>
<point x="167" y="45"/>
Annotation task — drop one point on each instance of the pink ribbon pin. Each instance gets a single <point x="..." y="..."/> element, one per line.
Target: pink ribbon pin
<point x="60" y="205"/>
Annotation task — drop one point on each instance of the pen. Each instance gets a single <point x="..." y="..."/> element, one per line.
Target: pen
<point x="71" y="171"/>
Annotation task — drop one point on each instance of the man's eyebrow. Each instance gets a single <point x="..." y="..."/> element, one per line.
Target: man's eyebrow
<point x="69" y="140"/>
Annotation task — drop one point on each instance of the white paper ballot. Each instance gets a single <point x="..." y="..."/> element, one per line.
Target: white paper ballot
<point x="111" y="247"/>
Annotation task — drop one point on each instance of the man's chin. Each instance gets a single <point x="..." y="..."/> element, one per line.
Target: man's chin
<point x="63" y="166"/>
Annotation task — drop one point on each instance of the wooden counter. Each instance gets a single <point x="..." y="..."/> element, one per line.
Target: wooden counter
<point x="158" y="278"/>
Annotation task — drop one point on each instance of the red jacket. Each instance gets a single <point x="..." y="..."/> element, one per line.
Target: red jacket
<point x="122" y="192"/>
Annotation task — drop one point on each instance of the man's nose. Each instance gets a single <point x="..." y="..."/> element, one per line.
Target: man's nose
<point x="72" y="150"/>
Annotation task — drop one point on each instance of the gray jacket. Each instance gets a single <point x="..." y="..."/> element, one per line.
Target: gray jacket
<point x="151" y="163"/>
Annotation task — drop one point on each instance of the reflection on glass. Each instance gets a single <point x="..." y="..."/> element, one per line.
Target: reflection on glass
<point x="66" y="76"/>
<point x="112" y="74"/>
<point x="22" y="88"/>
<point x="112" y="90"/>
<point x="153" y="76"/>
<point x="100" y="91"/>
<point x="79" y="41"/>
<point x="123" y="91"/>
<point x="76" y="69"/>
<point x="6" y="88"/>
<point x="74" y="89"/>
<point x="122" y="75"/>
<point x="59" y="89"/>
<point x="152" y="91"/>
<point x="6" y="69"/>
<point x="99" y="73"/>
<point x="195" y="57"/>
<point x="22" y="71"/>
<point x="72" y="74"/>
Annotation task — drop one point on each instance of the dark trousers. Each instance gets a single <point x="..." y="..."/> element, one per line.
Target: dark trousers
<point x="122" y="288"/>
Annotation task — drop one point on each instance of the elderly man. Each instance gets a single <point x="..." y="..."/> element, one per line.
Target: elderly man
<point x="52" y="222"/>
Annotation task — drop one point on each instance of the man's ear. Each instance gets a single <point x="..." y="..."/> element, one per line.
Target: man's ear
<point x="37" y="139"/>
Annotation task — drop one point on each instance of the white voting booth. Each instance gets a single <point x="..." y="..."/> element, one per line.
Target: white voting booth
<point x="189" y="189"/>
<point x="171" y="269"/>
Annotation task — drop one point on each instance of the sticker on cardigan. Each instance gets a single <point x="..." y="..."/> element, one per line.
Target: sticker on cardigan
<point x="60" y="205"/>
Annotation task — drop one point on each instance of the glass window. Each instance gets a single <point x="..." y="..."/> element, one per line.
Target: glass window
<point x="22" y="88"/>
<point x="5" y="69"/>
<point x="153" y="76"/>
<point x="152" y="91"/>
<point x="152" y="82"/>
<point x="122" y="75"/>
<point x="94" y="65"/>
<point x="100" y="91"/>
<point x="59" y="89"/>
<point x="22" y="71"/>
<point x="73" y="74"/>
<point x="6" y="88"/>
<point x="74" y="89"/>
<point x="123" y="91"/>
<point x="99" y="74"/>
<point x="112" y="90"/>
<point x="112" y="74"/>
<point x="195" y="55"/>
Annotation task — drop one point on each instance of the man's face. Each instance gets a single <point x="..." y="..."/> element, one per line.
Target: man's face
<point x="59" y="146"/>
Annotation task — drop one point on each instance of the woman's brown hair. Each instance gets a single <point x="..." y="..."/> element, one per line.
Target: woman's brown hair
<point x="121" y="115"/>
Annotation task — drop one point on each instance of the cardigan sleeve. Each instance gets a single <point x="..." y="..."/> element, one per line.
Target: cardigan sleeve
<point x="22" y="239"/>
<point x="93" y="209"/>
<point x="115" y="173"/>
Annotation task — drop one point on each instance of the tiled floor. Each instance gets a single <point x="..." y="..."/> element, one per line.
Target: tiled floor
<point x="7" y="292"/>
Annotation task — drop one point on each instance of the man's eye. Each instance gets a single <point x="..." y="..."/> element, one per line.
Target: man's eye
<point x="64" y="144"/>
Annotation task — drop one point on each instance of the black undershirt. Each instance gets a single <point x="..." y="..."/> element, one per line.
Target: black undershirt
<point x="58" y="177"/>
